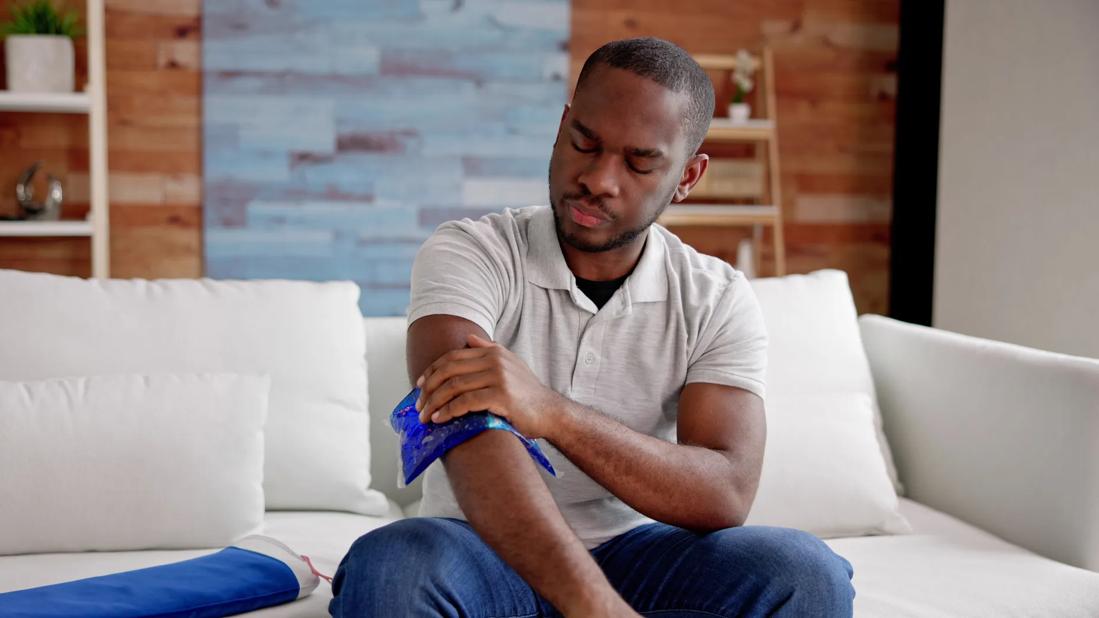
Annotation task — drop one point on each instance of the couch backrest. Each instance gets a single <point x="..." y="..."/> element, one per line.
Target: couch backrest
<point x="815" y="349"/>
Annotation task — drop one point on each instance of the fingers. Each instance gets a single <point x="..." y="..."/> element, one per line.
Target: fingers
<point x="462" y="354"/>
<point x="452" y="388"/>
<point x="448" y="371"/>
<point x="478" y="341"/>
<point x="470" y="401"/>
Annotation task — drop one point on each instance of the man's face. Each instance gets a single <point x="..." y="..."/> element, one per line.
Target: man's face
<point x="617" y="161"/>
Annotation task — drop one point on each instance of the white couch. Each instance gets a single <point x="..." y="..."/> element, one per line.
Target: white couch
<point x="996" y="445"/>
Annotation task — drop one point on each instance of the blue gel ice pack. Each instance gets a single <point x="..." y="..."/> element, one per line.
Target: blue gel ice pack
<point x="423" y="443"/>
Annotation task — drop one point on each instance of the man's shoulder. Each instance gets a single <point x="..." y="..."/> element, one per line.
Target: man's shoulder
<point x="508" y="227"/>
<point x="699" y="277"/>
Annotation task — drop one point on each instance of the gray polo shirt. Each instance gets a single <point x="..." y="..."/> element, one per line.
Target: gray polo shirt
<point x="680" y="317"/>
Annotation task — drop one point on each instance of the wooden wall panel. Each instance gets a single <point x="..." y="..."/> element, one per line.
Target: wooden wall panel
<point x="835" y="84"/>
<point x="154" y="149"/>
<point x="835" y="87"/>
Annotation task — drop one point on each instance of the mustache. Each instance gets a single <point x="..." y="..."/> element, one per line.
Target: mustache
<point x="589" y="202"/>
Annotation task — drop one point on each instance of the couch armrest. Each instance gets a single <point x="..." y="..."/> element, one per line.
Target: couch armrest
<point x="999" y="435"/>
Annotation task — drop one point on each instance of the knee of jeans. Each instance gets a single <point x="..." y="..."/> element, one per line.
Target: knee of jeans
<point x="791" y="558"/>
<point x="412" y="547"/>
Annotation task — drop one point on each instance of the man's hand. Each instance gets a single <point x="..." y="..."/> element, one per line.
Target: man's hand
<point x="487" y="377"/>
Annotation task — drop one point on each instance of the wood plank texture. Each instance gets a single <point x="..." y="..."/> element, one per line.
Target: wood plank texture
<point x="835" y="79"/>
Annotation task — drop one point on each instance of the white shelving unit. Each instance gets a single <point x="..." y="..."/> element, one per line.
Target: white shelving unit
<point x="75" y="103"/>
<point x="46" y="228"/>
<point x="93" y="102"/>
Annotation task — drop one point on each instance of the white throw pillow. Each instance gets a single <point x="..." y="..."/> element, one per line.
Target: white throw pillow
<point x="307" y="336"/>
<point x="126" y="462"/>
<point x="815" y="347"/>
<point x="822" y="469"/>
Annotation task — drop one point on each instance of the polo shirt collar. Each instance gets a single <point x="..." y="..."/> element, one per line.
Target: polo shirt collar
<point x="546" y="266"/>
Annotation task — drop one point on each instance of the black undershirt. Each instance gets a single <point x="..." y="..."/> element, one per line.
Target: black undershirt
<point x="600" y="291"/>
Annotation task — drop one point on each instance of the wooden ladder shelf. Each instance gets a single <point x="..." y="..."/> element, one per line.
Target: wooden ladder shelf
<point x="763" y="133"/>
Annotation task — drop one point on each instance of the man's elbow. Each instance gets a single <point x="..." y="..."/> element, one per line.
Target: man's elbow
<point x="732" y="511"/>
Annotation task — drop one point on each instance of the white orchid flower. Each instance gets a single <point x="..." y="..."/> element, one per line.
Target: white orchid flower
<point x="745" y="63"/>
<point x="741" y="76"/>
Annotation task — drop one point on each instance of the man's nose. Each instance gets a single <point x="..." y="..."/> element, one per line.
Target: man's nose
<point x="600" y="176"/>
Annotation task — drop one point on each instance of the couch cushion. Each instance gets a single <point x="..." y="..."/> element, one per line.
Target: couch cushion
<point x="946" y="568"/>
<point x="385" y="354"/>
<point x="307" y="336"/>
<point x="822" y="468"/>
<point x="815" y="346"/>
<point x="949" y="568"/>
<point x="130" y="462"/>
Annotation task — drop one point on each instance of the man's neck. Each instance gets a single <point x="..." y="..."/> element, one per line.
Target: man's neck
<point x="605" y="265"/>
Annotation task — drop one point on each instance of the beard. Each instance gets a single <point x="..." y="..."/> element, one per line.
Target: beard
<point x="621" y="239"/>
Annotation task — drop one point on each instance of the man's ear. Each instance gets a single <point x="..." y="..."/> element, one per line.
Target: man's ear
<point x="692" y="173"/>
<point x="561" y="125"/>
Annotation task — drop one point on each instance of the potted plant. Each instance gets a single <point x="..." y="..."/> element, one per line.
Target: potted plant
<point x="746" y="65"/>
<point x="38" y="42"/>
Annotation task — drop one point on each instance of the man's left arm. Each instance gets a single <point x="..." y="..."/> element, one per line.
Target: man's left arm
<point x="705" y="482"/>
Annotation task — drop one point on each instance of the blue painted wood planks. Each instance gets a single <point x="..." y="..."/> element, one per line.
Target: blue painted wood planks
<point x="339" y="133"/>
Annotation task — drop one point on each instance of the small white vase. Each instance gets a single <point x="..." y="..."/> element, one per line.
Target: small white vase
<point x="39" y="62"/>
<point x="739" y="112"/>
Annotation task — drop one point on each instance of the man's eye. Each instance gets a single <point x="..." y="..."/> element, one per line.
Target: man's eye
<point x="638" y="171"/>
<point x="579" y="149"/>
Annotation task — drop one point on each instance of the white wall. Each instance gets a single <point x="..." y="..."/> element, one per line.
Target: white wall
<point x="1017" y="250"/>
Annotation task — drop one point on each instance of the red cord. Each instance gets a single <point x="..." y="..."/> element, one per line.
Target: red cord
<point x="314" y="569"/>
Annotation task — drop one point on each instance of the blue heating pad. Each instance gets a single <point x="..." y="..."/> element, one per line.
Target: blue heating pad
<point x="423" y="443"/>
<point x="231" y="581"/>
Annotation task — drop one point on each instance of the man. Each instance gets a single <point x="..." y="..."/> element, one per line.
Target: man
<point x="636" y="361"/>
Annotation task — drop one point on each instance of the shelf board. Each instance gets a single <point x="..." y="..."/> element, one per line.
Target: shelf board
<point x="722" y="129"/>
<point x="719" y="214"/>
<point x="46" y="228"/>
<point x="720" y="62"/>
<point x="45" y="102"/>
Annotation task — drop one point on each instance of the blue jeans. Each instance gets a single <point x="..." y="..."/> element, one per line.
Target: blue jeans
<point x="433" y="566"/>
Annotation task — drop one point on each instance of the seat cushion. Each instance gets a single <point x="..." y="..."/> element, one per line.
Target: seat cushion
<point x="324" y="536"/>
<point x="949" y="568"/>
<point x="945" y="568"/>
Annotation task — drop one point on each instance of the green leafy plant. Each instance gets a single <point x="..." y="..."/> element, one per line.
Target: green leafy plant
<point x="40" y="17"/>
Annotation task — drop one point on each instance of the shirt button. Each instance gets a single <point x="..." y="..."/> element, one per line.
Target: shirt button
<point x="589" y="359"/>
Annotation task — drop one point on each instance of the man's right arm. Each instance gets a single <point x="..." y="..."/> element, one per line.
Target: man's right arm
<point x="506" y="501"/>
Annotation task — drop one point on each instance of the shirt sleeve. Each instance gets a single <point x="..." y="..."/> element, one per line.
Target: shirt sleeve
<point x="460" y="270"/>
<point x="732" y="348"/>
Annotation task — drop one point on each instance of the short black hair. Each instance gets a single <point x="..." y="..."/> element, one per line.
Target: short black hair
<point x="670" y="66"/>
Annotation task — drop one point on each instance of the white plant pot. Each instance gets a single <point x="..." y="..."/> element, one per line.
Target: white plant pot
<point x="739" y="112"/>
<point x="39" y="62"/>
